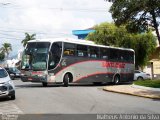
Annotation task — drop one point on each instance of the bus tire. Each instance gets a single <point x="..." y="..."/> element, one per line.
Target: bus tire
<point x="66" y="80"/>
<point x="116" y="80"/>
<point x="44" y="84"/>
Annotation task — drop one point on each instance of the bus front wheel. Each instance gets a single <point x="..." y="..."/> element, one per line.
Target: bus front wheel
<point x="66" y="80"/>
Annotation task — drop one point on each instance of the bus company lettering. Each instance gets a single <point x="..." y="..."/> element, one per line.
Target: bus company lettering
<point x="113" y="64"/>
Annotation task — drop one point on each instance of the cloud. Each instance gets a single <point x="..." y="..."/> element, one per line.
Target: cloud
<point x="50" y="18"/>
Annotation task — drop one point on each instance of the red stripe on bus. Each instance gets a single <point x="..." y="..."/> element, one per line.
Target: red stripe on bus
<point x="98" y="73"/>
<point x="79" y="63"/>
<point x="93" y="61"/>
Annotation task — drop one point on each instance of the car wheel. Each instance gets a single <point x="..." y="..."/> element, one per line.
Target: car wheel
<point x="140" y="78"/>
<point x="13" y="97"/>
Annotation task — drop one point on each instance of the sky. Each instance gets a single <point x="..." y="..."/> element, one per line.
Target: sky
<point x="48" y="18"/>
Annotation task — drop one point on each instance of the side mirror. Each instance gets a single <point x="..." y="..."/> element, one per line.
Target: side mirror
<point x="52" y="63"/>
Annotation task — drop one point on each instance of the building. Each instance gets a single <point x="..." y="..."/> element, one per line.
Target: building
<point x="153" y="66"/>
<point x="82" y="34"/>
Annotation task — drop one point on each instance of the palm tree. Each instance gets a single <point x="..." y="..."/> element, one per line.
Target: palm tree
<point x="27" y="38"/>
<point x="2" y="55"/>
<point x="6" y="47"/>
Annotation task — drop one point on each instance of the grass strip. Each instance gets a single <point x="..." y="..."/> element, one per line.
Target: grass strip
<point x="148" y="83"/>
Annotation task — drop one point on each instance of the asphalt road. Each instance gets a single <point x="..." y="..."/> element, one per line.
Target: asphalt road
<point x="32" y="98"/>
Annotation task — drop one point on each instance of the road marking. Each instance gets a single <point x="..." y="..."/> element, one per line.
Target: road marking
<point x="9" y="108"/>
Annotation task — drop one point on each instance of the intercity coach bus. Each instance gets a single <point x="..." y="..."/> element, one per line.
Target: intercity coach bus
<point x="67" y="60"/>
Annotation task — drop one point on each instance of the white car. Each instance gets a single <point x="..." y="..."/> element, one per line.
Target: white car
<point x="7" y="88"/>
<point x="139" y="75"/>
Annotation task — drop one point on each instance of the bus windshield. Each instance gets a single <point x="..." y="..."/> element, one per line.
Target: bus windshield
<point x="35" y="56"/>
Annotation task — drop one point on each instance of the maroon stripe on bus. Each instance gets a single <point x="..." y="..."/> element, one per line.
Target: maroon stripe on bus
<point x="93" y="61"/>
<point x="97" y="73"/>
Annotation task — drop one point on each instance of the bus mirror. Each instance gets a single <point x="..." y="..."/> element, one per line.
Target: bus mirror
<point x="52" y="63"/>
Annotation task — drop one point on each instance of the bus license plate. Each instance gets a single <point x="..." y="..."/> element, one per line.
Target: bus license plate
<point x="30" y="79"/>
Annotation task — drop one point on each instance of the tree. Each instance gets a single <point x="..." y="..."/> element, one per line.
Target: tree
<point x="6" y="48"/>
<point x="2" y="56"/>
<point x="139" y="15"/>
<point x="27" y="38"/>
<point x="108" y="34"/>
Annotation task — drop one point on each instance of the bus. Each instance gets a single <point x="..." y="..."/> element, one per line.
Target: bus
<point x="68" y="60"/>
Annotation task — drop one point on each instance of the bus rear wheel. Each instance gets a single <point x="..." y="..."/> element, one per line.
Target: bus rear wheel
<point x="66" y="80"/>
<point x="116" y="80"/>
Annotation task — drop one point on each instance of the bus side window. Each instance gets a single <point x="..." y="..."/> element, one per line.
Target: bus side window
<point x="114" y="54"/>
<point x="104" y="53"/>
<point x="81" y="50"/>
<point x="121" y="56"/>
<point x="93" y="52"/>
<point x="69" y="49"/>
<point x="130" y="56"/>
<point x="55" y="55"/>
<point x="126" y="56"/>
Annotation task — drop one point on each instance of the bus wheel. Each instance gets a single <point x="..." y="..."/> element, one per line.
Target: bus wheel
<point x="66" y="80"/>
<point x="116" y="80"/>
<point x="44" y="84"/>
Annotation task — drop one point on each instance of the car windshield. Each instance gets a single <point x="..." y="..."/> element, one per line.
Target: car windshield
<point x="35" y="56"/>
<point x="14" y="69"/>
<point x="3" y="73"/>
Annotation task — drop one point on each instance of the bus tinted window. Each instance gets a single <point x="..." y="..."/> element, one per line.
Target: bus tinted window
<point x="93" y="52"/>
<point x="113" y="54"/>
<point x="69" y="49"/>
<point x="104" y="53"/>
<point x="126" y="56"/>
<point x="81" y="50"/>
<point x="55" y="55"/>
<point x="130" y="56"/>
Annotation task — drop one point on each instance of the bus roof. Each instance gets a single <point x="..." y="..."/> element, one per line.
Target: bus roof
<point x="76" y="41"/>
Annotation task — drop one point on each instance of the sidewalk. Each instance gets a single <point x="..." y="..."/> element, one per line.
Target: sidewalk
<point x="135" y="90"/>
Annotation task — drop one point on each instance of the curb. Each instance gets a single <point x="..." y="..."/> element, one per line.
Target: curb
<point x="146" y="88"/>
<point x="128" y="93"/>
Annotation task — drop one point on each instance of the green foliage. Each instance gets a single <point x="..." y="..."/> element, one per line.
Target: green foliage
<point x="2" y="56"/>
<point x="27" y="38"/>
<point x="106" y="34"/>
<point x="144" y="45"/>
<point x="109" y="34"/>
<point x="6" y="48"/>
<point x="148" y="83"/>
<point x="137" y="15"/>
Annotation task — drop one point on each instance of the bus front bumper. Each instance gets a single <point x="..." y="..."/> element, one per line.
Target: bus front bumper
<point x="33" y="79"/>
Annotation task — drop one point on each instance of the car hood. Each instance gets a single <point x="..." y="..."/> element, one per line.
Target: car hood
<point x="5" y="79"/>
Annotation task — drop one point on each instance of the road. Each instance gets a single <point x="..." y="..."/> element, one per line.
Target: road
<point x="32" y="98"/>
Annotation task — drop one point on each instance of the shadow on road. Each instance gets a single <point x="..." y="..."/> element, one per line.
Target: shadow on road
<point x="5" y="99"/>
<point x="39" y="85"/>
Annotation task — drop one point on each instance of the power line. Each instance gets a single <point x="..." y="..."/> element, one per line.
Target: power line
<point x="61" y="9"/>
